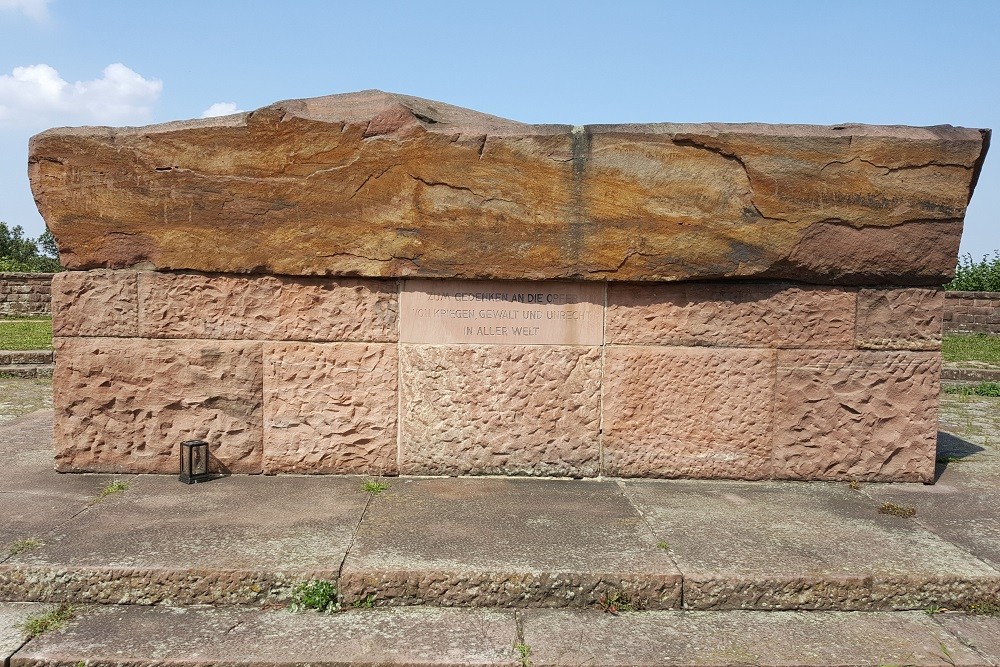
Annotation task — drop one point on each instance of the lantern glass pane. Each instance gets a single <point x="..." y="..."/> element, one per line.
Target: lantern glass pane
<point x="199" y="460"/>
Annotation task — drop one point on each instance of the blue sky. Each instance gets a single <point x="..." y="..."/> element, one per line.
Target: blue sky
<point x="69" y="62"/>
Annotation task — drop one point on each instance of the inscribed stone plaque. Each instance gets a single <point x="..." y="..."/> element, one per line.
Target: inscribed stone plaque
<point x="501" y="312"/>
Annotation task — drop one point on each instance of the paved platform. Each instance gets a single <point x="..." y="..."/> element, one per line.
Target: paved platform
<point x="595" y="572"/>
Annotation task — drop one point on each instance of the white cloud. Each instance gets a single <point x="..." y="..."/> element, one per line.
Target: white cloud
<point x="220" y="109"/>
<point x="35" y="9"/>
<point x="37" y="95"/>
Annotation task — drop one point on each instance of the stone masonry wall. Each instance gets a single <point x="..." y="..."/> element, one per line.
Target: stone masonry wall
<point x="751" y="380"/>
<point x="25" y="294"/>
<point x="972" y="312"/>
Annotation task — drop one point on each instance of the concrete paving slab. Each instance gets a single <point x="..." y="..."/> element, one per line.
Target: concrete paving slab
<point x="30" y="432"/>
<point x="961" y="505"/>
<point x="968" y="517"/>
<point x="507" y="542"/>
<point x="12" y="617"/>
<point x="139" y="636"/>
<point x="22" y="396"/>
<point x="228" y="541"/>
<point x="980" y="633"/>
<point x="788" y="639"/>
<point x="788" y="545"/>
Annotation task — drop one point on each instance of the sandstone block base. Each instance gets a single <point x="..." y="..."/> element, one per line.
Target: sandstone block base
<point x="125" y="405"/>
<point x="856" y="415"/>
<point x="330" y="408"/>
<point x="688" y="412"/>
<point x="365" y="376"/>
<point x="503" y="409"/>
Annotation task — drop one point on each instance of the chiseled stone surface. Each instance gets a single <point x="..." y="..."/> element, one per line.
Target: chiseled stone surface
<point x="330" y="408"/>
<point x="125" y="404"/>
<point x="721" y="314"/>
<point x="205" y="636"/>
<point x="714" y="639"/>
<point x="507" y="542"/>
<point x="779" y="545"/>
<point x="192" y="305"/>
<point x="900" y="319"/>
<point x="505" y="409"/>
<point x="378" y="185"/>
<point x="95" y="303"/>
<point x="687" y="412"/>
<point x="241" y="540"/>
<point x="863" y="415"/>
<point x="980" y="633"/>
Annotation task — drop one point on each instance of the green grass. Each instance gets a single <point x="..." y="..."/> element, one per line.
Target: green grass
<point x="317" y="595"/>
<point x="991" y="389"/>
<point x="20" y="546"/>
<point x="374" y="486"/>
<point x="28" y="334"/>
<point x="971" y="347"/>
<point x="51" y="620"/>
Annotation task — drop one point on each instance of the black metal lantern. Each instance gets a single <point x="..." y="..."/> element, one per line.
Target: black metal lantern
<point x="194" y="461"/>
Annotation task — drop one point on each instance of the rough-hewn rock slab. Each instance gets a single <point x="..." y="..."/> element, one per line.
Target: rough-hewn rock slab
<point x="979" y="633"/>
<point x="900" y="319"/>
<point x="330" y="408"/>
<point x="266" y="308"/>
<point x="713" y="639"/>
<point x="162" y="542"/>
<point x="696" y="412"/>
<point x="126" y="404"/>
<point x="507" y="542"/>
<point x="752" y="314"/>
<point x="95" y="303"/>
<point x="504" y="409"/>
<point x="12" y="617"/>
<point x="200" y="637"/>
<point x="376" y="184"/>
<point x="771" y="545"/>
<point x="862" y="415"/>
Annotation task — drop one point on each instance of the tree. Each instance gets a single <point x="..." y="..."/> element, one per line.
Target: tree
<point x="18" y="253"/>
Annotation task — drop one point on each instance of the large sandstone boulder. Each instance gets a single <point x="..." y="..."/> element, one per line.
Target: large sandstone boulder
<point x="378" y="185"/>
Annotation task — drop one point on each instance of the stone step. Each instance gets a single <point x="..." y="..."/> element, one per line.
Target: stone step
<point x="474" y="542"/>
<point x="15" y="357"/>
<point x="970" y="374"/>
<point x="26" y="370"/>
<point x="516" y="543"/>
<point x="426" y="636"/>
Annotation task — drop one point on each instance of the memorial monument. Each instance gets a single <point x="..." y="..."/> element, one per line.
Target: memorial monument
<point x="380" y="284"/>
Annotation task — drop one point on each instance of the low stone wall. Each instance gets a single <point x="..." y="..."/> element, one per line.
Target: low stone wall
<point x="752" y="380"/>
<point x="25" y="294"/>
<point x="972" y="312"/>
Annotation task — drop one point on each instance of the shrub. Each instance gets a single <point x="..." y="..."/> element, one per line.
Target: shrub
<point x="972" y="276"/>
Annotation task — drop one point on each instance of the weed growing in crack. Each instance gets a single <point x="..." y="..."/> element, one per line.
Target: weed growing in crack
<point x="615" y="601"/>
<point x="367" y="602"/>
<point x="986" y="608"/>
<point x="524" y="651"/>
<point x="317" y="595"/>
<point x="53" y="619"/>
<point x="111" y="488"/>
<point x="374" y="486"/>
<point x="21" y="546"/>
<point x="895" y="509"/>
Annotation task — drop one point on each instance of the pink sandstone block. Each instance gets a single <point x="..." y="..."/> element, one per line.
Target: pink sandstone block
<point x="865" y="415"/>
<point x="900" y="319"/>
<point x="194" y="305"/>
<point x="95" y="303"/>
<point x="687" y="412"/>
<point x="505" y="409"/>
<point x="126" y="404"/>
<point x="781" y="315"/>
<point x="330" y="408"/>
